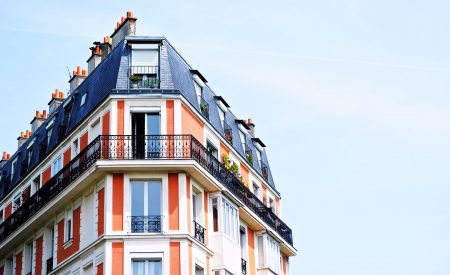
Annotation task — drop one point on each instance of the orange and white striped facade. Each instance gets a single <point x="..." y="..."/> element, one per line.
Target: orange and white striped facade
<point x="199" y="226"/>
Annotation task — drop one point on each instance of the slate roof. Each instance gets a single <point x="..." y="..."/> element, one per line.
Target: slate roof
<point x="111" y="74"/>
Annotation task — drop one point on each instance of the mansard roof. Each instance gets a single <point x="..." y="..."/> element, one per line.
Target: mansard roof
<point x="113" y="74"/>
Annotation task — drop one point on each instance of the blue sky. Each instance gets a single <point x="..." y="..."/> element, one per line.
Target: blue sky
<point x="351" y="98"/>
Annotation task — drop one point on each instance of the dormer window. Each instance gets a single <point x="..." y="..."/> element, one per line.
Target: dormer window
<point x="49" y="131"/>
<point x="13" y="168"/>
<point x="83" y="100"/>
<point x="144" y="71"/>
<point x="30" y="152"/>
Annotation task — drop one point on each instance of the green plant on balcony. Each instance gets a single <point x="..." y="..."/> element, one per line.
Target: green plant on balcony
<point x="249" y="157"/>
<point x="234" y="169"/>
<point x="228" y="137"/>
<point x="135" y="78"/>
<point x="203" y="107"/>
<point x="226" y="161"/>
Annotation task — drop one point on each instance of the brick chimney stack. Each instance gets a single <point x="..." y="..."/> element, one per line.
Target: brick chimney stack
<point x="4" y="159"/>
<point x="105" y="47"/>
<point x="56" y="101"/>
<point x="126" y="27"/>
<point x="23" y="137"/>
<point x="38" y="120"/>
<point x="77" y="78"/>
<point x="96" y="57"/>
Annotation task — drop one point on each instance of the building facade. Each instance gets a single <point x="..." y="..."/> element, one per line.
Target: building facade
<point x="140" y="169"/>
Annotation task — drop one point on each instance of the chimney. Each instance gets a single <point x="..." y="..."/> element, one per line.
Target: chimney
<point x="77" y="78"/>
<point x="23" y="137"/>
<point x="251" y="125"/>
<point x="4" y="159"/>
<point x="56" y="101"/>
<point x="38" y="120"/>
<point x="96" y="57"/>
<point x="126" y="27"/>
<point x="105" y="47"/>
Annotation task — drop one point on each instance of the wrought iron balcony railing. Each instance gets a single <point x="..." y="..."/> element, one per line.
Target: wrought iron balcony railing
<point x="144" y="77"/>
<point x="199" y="232"/>
<point x="49" y="265"/>
<point x="204" y="108"/>
<point x="142" y="147"/>
<point x="244" y="266"/>
<point x="146" y="224"/>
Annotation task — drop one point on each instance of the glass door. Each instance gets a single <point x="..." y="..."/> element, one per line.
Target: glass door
<point x="146" y="131"/>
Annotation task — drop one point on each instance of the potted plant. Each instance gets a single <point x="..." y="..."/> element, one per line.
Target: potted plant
<point x="229" y="137"/>
<point x="134" y="78"/>
<point x="203" y="107"/>
<point x="249" y="156"/>
<point x="234" y="169"/>
<point x="226" y="161"/>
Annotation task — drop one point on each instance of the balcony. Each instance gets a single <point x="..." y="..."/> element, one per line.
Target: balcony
<point x="146" y="224"/>
<point x="204" y="108"/>
<point x="244" y="266"/>
<point x="264" y="170"/>
<point x="148" y="147"/>
<point x="228" y="132"/>
<point x="144" y="77"/>
<point x="199" y="232"/>
<point x="248" y="153"/>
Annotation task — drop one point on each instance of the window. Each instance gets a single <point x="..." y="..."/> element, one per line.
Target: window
<point x="229" y="220"/>
<point x="274" y="255"/>
<point x="257" y="191"/>
<point x="49" y="133"/>
<point x="259" y="155"/>
<point x="29" y="154"/>
<point x="68" y="226"/>
<point x="243" y="140"/>
<point x="243" y="241"/>
<point x="212" y="149"/>
<point x="146" y="267"/>
<point x="146" y="206"/>
<point x="272" y="205"/>
<point x="13" y="169"/>
<point x="215" y="214"/>
<point x="37" y="183"/>
<point x="260" y="240"/>
<point x="28" y="257"/>
<point x="17" y="201"/>
<point x="198" y="91"/>
<point x="197" y="205"/>
<point x="75" y="149"/>
<point x="222" y="116"/>
<point x="1" y="216"/>
<point x="95" y="130"/>
<point x="199" y="270"/>
<point x="57" y="165"/>
<point x="83" y="100"/>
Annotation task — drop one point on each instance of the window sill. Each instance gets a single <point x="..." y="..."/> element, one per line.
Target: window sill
<point x="68" y="243"/>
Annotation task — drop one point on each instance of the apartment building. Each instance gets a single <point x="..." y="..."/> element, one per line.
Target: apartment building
<point x="141" y="168"/>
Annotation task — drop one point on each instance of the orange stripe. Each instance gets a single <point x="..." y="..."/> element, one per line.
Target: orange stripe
<point x="170" y="117"/>
<point x="67" y="156"/>
<point x="105" y="124"/>
<point x="283" y="259"/>
<point x="189" y="203"/>
<point x="100" y="269"/>
<point x="117" y="191"/>
<point x="120" y="117"/>
<point x="101" y="212"/>
<point x="117" y="258"/>
<point x="174" y="214"/>
<point x="205" y="203"/>
<point x="175" y="264"/>
<point x="190" y="123"/>
<point x="19" y="263"/>
<point x="251" y="251"/>
<point x="244" y="173"/>
<point x="208" y="269"/>
<point x="39" y="254"/>
<point x="223" y="150"/>
<point x="84" y="139"/>
<point x="46" y="175"/>
<point x="190" y="258"/>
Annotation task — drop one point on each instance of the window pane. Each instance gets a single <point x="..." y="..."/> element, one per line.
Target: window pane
<point x="154" y="198"/>
<point x="154" y="268"/>
<point x="137" y="199"/>
<point x="153" y="124"/>
<point x="138" y="267"/>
